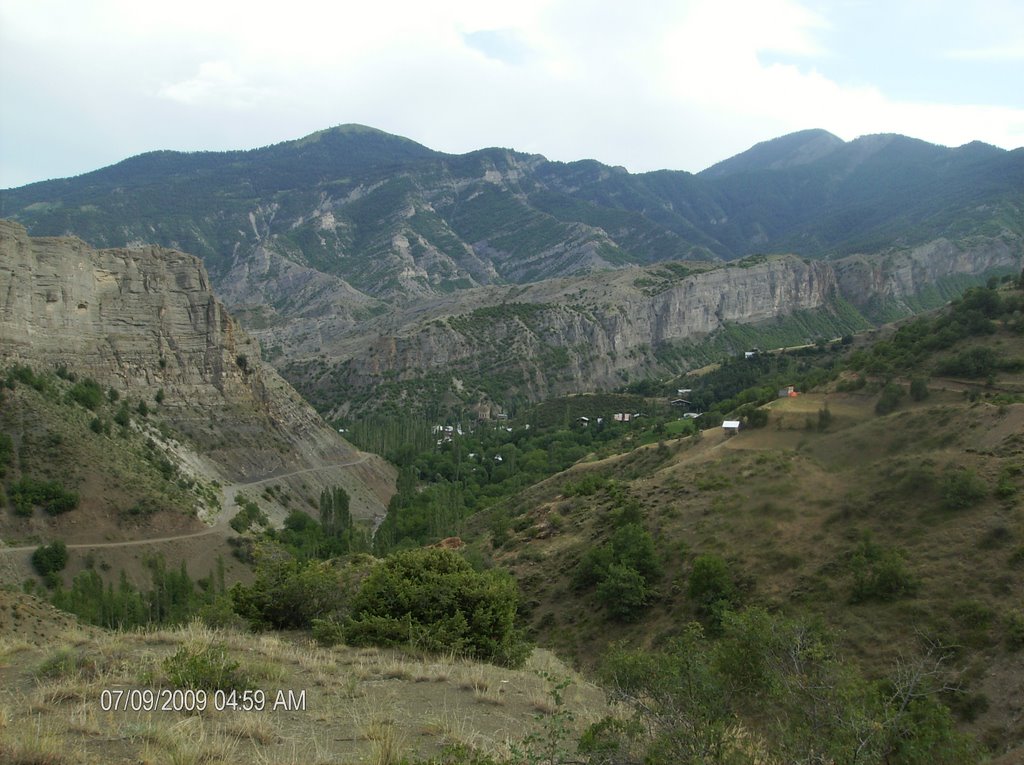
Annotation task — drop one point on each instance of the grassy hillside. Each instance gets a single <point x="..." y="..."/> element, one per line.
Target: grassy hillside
<point x="61" y="699"/>
<point x="886" y="503"/>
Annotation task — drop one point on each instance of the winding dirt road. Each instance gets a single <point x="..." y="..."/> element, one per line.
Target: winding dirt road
<point x="230" y="492"/>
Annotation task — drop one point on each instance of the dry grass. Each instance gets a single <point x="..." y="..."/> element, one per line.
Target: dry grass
<point x="257" y="727"/>
<point x="363" y="705"/>
<point x="37" y="742"/>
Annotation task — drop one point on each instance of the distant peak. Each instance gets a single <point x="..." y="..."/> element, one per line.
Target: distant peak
<point x="800" y="148"/>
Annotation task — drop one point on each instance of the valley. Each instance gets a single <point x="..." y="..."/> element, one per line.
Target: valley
<point x="439" y="438"/>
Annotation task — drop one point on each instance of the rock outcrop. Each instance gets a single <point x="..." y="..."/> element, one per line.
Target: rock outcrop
<point x="563" y="336"/>
<point x="145" y="320"/>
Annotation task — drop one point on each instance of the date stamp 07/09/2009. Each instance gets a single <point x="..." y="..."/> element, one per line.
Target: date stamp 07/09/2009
<point x="198" y="700"/>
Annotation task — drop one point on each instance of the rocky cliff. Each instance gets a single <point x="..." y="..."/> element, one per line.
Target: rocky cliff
<point x="145" y="320"/>
<point x="577" y="335"/>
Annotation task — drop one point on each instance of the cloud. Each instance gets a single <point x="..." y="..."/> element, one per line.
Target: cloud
<point x="663" y="83"/>
<point x="216" y="83"/>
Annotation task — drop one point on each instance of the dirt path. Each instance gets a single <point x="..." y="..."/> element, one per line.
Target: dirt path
<point x="230" y="492"/>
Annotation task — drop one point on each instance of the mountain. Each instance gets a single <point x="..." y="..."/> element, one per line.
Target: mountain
<point x="352" y="206"/>
<point x="342" y="242"/>
<point x="160" y="410"/>
<point x="801" y="148"/>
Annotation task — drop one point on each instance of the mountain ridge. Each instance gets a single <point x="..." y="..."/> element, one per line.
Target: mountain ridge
<point x="311" y="241"/>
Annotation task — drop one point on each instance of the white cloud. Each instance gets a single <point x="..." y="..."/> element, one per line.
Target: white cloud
<point x="216" y="83"/>
<point x="663" y="83"/>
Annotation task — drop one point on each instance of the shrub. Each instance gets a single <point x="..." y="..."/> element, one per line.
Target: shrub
<point x="6" y="452"/>
<point x="433" y="599"/>
<point x="207" y="667"/>
<point x="973" y="363"/>
<point x="122" y="417"/>
<point x="918" y="389"/>
<point x="889" y="401"/>
<point x="624" y="592"/>
<point x="1014" y="630"/>
<point x="87" y="393"/>
<point x="711" y="586"/>
<point x="28" y="493"/>
<point x="49" y="559"/>
<point x="879" y="574"/>
<point x="961" y="489"/>
<point x="287" y="593"/>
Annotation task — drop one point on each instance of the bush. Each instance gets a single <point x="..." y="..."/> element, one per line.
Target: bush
<point x="973" y="363"/>
<point x="626" y="566"/>
<point x="433" y="599"/>
<point x="961" y="489"/>
<point x="87" y="393"/>
<point x="711" y="586"/>
<point x="207" y="667"/>
<point x="28" y="493"/>
<point x="624" y="592"/>
<point x="49" y="559"/>
<point x="891" y="398"/>
<point x="879" y="574"/>
<point x="289" y="594"/>
<point x="918" y="389"/>
<point x="6" y="452"/>
<point x="1014" y="630"/>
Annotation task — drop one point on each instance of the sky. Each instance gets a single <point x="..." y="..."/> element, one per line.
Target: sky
<point x="647" y="84"/>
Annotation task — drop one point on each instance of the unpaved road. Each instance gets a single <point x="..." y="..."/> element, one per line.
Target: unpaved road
<point x="230" y="492"/>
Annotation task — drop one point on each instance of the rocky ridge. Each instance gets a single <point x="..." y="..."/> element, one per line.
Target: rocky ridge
<point x="145" y="319"/>
<point x="574" y="335"/>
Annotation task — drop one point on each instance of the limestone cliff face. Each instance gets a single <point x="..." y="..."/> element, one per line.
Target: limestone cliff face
<point x="131" y="318"/>
<point x="902" y="275"/>
<point x="599" y="331"/>
<point x="573" y="335"/>
<point x="141" y="320"/>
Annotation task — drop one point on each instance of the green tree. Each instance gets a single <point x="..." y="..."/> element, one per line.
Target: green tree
<point x="49" y="559"/>
<point x="624" y="593"/>
<point x="711" y="586"/>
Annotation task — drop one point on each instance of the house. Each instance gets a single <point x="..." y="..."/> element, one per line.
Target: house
<point x="691" y="415"/>
<point x="751" y="354"/>
<point x="684" y="391"/>
<point x="788" y="392"/>
<point x="731" y="427"/>
<point x="583" y="421"/>
<point x="680" y="402"/>
<point x="622" y="417"/>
